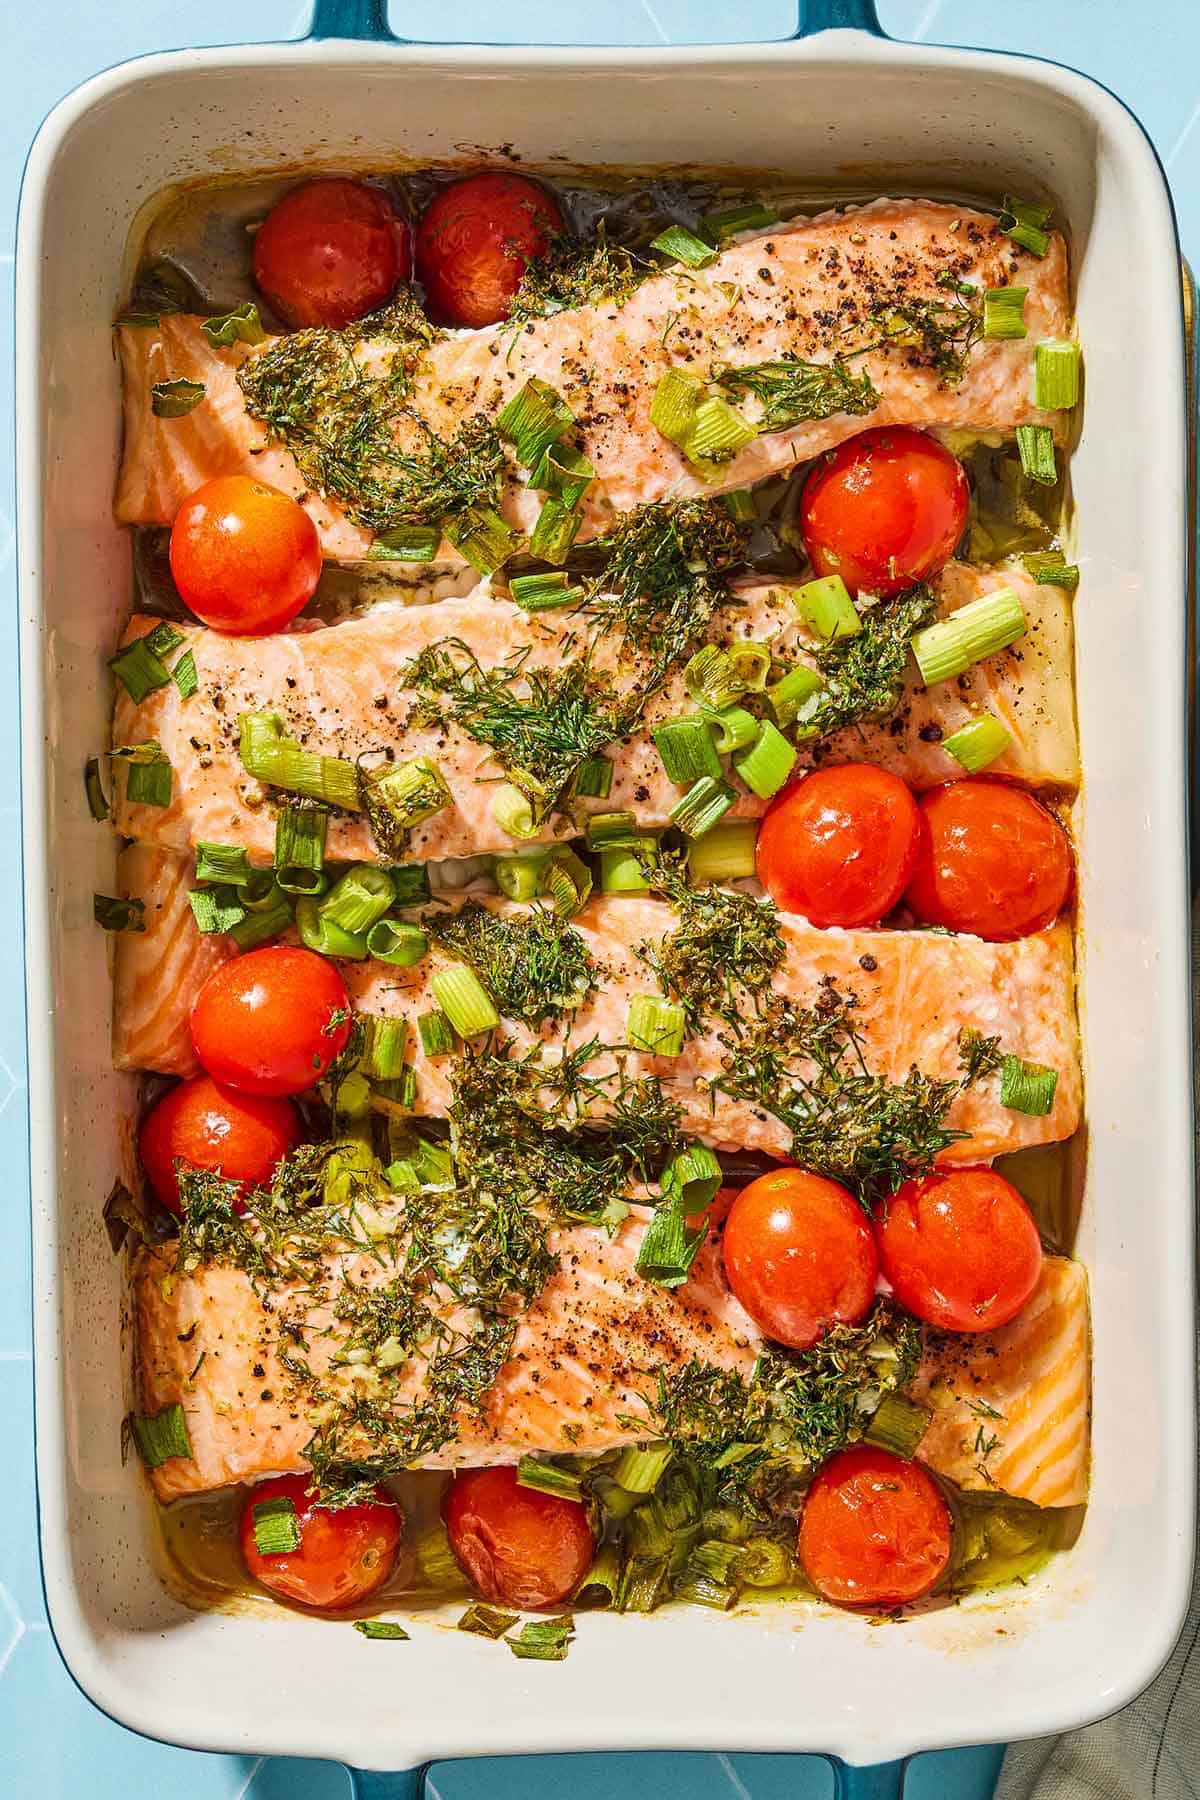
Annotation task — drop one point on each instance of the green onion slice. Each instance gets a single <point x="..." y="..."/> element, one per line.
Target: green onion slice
<point x="669" y="1247"/>
<point x="684" y="246"/>
<point x="687" y="749"/>
<point x="563" y="473"/>
<point x="241" y="326"/>
<point x="320" y="933"/>
<point x="216" y="909"/>
<point x="764" y="1563"/>
<point x="767" y="763"/>
<point x="655" y="1025"/>
<point x="149" y="778"/>
<point x="556" y="530"/>
<point x="542" y="593"/>
<point x="384" y="1043"/>
<point x="513" y="812"/>
<point x="611" y="830"/>
<point x="594" y="778"/>
<point x="222" y="862"/>
<point x="464" y="1000"/>
<point x="1025" y="223"/>
<point x="481" y="536"/>
<point x="728" y="221"/>
<point x="793" y="694"/>
<point x="694" y="1176"/>
<point x="1027" y="1087"/>
<point x="93" y="785"/>
<point x="826" y="608"/>
<point x="981" y="628"/>
<point x="140" y="669"/>
<point x="535" y="417"/>
<point x="175" y="399"/>
<point x="397" y="942"/>
<point x="398" y="796"/>
<point x="640" y="1469"/>
<point x="751" y="663"/>
<point x="487" y="1621"/>
<point x="382" y="1629"/>
<point x="184" y="675"/>
<point x="623" y="870"/>
<point x="160" y="1436"/>
<point x="739" y="504"/>
<point x="1036" y="446"/>
<point x="279" y="761"/>
<point x="599" y="1586"/>
<point x="407" y="543"/>
<point x="898" y="1425"/>
<point x="673" y="408"/>
<point x="566" y="881"/>
<point x="276" y="1526"/>
<point x="1056" y="375"/>
<point x="438" y="1037"/>
<point x="976" y="745"/>
<point x="703" y="806"/>
<point x="1004" y="312"/>
<point x="548" y="1478"/>
<point x="732" y="729"/>
<point x="113" y="914"/>
<point x="713" y="679"/>
<point x="543" y="1640"/>
<point x="358" y="898"/>
<point x="718" y="431"/>
<point x="1050" y="568"/>
<point x="300" y="848"/>
<point x="517" y="876"/>
<point x="260" y="926"/>
<point x="724" y="854"/>
<point x="411" y="882"/>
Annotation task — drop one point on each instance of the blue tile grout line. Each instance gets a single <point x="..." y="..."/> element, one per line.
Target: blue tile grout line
<point x="52" y="1742"/>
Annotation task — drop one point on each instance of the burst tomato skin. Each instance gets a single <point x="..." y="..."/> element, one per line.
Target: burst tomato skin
<point x="245" y="558"/>
<point x="993" y="861"/>
<point x="475" y="240"/>
<point x="238" y="1136"/>
<point x="344" y="1556"/>
<point x="799" y="1255"/>
<point x="840" y="845"/>
<point x="961" y="1249"/>
<point x="272" y="1021"/>
<point x="883" y="510"/>
<point x="518" y="1546"/>
<point x="875" y="1530"/>
<point x="331" y="251"/>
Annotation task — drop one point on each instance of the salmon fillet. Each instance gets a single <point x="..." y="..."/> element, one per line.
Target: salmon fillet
<point x="340" y="690"/>
<point x="156" y="972"/>
<point x="805" y="290"/>
<point x="1011" y="1407"/>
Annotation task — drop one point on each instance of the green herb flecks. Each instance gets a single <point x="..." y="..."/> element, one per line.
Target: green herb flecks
<point x="862" y="676"/>
<point x="573" y="273"/>
<point x="534" y="966"/>
<point x="727" y="945"/>
<point x="937" y="333"/>
<point x="793" y="392"/>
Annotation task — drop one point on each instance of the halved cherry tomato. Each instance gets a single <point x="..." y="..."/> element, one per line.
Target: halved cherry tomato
<point x="239" y="1136"/>
<point x="884" y="509"/>
<point x="331" y="251"/>
<point x="800" y="1256"/>
<point x="245" y="558"/>
<point x="474" y="243"/>
<point x="839" y="846"/>
<point x="875" y="1530"/>
<point x="961" y="1249"/>
<point x="993" y="861"/>
<point x="345" y="1555"/>
<point x="272" y="1021"/>
<point x="519" y="1547"/>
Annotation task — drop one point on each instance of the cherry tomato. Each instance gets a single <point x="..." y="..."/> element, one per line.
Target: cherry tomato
<point x="884" y="509"/>
<point x="239" y="1136"/>
<point x="345" y="1556"/>
<point x="875" y="1530"/>
<point x="993" y="861"/>
<point x="960" y="1249"/>
<point x="800" y="1256"/>
<point x="475" y="240"/>
<point x="246" y="558"/>
<point x="519" y="1547"/>
<point x="331" y="251"/>
<point x="840" y="845"/>
<point x="272" y="1021"/>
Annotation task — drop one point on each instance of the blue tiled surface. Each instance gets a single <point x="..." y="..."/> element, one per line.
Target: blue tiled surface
<point x="52" y="1742"/>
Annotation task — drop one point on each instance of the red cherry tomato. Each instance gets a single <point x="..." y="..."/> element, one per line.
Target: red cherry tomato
<point x="993" y="861"/>
<point x="239" y="1136"/>
<point x="839" y="846"/>
<point x="475" y="240"/>
<point x="884" y="509"/>
<point x="799" y="1255"/>
<point x="961" y="1249"/>
<point x="344" y="1557"/>
<point x="272" y="1021"/>
<point x="245" y="557"/>
<point x="875" y="1530"/>
<point x="331" y="251"/>
<point x="519" y="1547"/>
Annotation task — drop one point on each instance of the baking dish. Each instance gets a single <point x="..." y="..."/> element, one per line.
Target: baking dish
<point x="852" y="113"/>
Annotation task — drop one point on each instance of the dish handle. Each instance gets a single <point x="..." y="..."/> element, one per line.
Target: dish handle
<point x="380" y="1784"/>
<point x="367" y="19"/>
<point x="877" y="1781"/>
<point x="838" y="15"/>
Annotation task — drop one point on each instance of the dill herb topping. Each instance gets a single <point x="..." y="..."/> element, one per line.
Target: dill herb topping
<point x="534" y="966"/>
<point x="571" y="273"/>
<point x="939" y="333"/>
<point x="726" y="945"/>
<point x="862" y="675"/>
<point x="793" y="392"/>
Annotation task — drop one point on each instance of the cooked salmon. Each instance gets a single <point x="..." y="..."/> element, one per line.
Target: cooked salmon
<point x="156" y="971"/>
<point x="341" y="691"/>
<point x="811" y="290"/>
<point x="1011" y="1407"/>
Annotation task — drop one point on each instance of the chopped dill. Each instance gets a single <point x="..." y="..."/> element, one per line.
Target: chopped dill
<point x="792" y="391"/>
<point x="571" y="273"/>
<point x="535" y="965"/>
<point x="862" y="675"/>
<point x="978" y="1056"/>
<point x="942" y="333"/>
<point x="726" y="945"/>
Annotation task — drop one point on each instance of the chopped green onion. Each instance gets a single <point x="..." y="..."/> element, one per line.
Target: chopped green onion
<point x="1050" y="568"/>
<point x="752" y="662"/>
<point x="535" y="417"/>
<point x="623" y="871"/>
<point x="825" y="607"/>
<point x="216" y="909"/>
<point x="261" y="926"/>
<point x="687" y="749"/>
<point x="276" y="1527"/>
<point x="645" y="1582"/>
<point x="358" y="898"/>
<point x="260" y="891"/>
<point x="1025" y="223"/>
<point x="1004" y="312"/>
<point x="149" y="778"/>
<point x="464" y="1000"/>
<point x="543" y="1640"/>
<point x="436" y="1560"/>
<point x="222" y="862"/>
<point x="694" y="1176"/>
<point x="715" y="1559"/>
<point x="640" y="1469"/>
<point x="767" y="764"/>
<point x="702" y="1590"/>
<point x="541" y="593"/>
<point x="300" y="849"/>
<point x="1027" y="1087"/>
<point x="93" y="786"/>
<point x="673" y="408"/>
<point x="703" y="806"/>
<point x="764" y="1563"/>
<point x="732" y="729"/>
<point x="548" y="1478"/>
<point x="712" y="679"/>
<point x="384" y="1043"/>
<point x="678" y="242"/>
<point x="517" y="875"/>
<point x="979" y="743"/>
<point x="241" y="326"/>
<point x="381" y="1629"/>
<point x="145" y="321"/>
<point x="397" y="942"/>
<point x="1056" y="375"/>
<point x="898" y="1425"/>
<point x="793" y="693"/>
<point x="565" y="881"/>
<point x="175" y="399"/>
<point x="594" y="778"/>
<point x="739" y="504"/>
<point x="352" y="1098"/>
<point x="118" y="915"/>
<point x="140" y="669"/>
<point x="513" y="812"/>
<point x="1036" y="446"/>
<point x="599" y="1586"/>
<point x="160" y="1436"/>
<point x="184" y="675"/>
<point x="718" y="431"/>
<point x="563" y="473"/>
<point x="556" y="530"/>
<point x="752" y="215"/>
<point x="482" y="537"/>
<point x="398" y="796"/>
<point x="725" y="853"/>
<point x="669" y="1247"/>
<point x="438" y="1036"/>
<point x="407" y="543"/>
<point x="610" y="830"/>
<point x="411" y="882"/>
<point x="279" y="761"/>
<point x="949" y="646"/>
<point x="487" y="1621"/>
<point x="321" y="933"/>
<point x="655" y="1025"/>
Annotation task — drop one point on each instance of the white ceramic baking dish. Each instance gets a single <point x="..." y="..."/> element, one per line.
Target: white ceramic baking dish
<point x="843" y="110"/>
